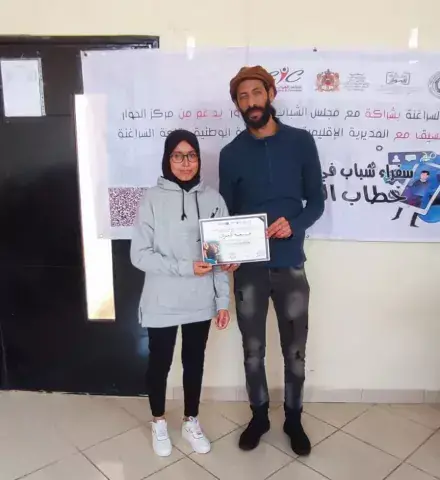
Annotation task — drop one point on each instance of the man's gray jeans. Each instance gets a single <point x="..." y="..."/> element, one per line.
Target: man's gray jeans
<point x="289" y="290"/>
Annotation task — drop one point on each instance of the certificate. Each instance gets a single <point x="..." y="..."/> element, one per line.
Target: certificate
<point x="240" y="239"/>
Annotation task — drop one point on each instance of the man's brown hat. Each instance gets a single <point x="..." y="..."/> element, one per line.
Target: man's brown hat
<point x="251" y="73"/>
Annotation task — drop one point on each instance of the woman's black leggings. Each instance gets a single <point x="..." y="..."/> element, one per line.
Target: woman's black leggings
<point x="162" y="343"/>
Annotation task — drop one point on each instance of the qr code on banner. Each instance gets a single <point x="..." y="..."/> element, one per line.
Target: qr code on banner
<point x="123" y="205"/>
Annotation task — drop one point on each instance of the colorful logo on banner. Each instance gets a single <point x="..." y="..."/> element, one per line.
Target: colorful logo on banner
<point x="288" y="80"/>
<point x="328" y="81"/>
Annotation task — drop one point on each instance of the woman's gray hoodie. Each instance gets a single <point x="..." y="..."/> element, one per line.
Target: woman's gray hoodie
<point x="165" y="245"/>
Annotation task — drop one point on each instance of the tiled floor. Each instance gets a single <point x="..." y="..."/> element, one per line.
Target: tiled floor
<point x="63" y="437"/>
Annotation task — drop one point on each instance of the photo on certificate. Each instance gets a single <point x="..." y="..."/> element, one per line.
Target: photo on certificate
<point x="240" y="239"/>
<point x="211" y="252"/>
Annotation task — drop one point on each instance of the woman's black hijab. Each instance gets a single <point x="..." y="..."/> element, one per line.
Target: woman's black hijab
<point x="173" y="139"/>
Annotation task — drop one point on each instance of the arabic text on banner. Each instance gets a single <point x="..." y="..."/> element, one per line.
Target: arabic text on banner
<point x="375" y="119"/>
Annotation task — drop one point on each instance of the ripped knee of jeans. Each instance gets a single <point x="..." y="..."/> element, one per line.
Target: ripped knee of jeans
<point x="296" y="361"/>
<point x="246" y="301"/>
<point x="255" y="352"/>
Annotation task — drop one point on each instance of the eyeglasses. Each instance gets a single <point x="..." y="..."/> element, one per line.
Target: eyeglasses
<point x="178" y="157"/>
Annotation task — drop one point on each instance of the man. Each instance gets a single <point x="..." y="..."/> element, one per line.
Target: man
<point x="271" y="168"/>
<point x="416" y="192"/>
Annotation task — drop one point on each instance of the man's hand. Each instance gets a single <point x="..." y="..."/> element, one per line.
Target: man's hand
<point x="280" y="229"/>
<point x="222" y="319"/>
<point x="230" y="267"/>
<point x="202" y="268"/>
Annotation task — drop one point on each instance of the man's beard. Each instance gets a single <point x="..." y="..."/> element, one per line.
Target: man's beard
<point x="266" y="113"/>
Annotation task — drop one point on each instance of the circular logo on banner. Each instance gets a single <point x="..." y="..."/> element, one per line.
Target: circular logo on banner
<point x="434" y="85"/>
<point x="327" y="81"/>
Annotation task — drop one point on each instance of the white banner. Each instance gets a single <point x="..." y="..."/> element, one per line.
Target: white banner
<point x="375" y="118"/>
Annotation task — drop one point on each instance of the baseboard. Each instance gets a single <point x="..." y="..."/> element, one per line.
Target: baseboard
<point x="318" y="395"/>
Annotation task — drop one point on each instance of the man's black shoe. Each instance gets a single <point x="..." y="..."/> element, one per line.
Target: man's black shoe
<point x="258" y="426"/>
<point x="299" y="441"/>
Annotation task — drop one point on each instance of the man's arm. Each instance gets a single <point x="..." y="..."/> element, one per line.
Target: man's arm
<point x="312" y="187"/>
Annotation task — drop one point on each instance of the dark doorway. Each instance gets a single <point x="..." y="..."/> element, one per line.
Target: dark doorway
<point x="46" y="340"/>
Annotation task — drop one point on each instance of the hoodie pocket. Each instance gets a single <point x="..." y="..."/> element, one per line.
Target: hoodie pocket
<point x="188" y="294"/>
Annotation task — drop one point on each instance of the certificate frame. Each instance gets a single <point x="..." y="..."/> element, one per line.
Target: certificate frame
<point x="235" y="223"/>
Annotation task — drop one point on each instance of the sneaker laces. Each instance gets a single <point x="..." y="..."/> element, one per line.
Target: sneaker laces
<point x="161" y="430"/>
<point x="194" y="427"/>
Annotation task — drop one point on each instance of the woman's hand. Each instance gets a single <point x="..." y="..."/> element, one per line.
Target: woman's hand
<point x="202" y="268"/>
<point x="222" y="319"/>
<point x="230" y="267"/>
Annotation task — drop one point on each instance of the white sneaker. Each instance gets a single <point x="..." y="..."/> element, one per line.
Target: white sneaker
<point x="161" y="440"/>
<point x="192" y="433"/>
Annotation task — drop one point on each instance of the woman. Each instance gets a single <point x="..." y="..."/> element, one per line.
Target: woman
<point x="179" y="289"/>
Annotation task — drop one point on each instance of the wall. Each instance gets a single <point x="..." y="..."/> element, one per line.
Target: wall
<point x="374" y="315"/>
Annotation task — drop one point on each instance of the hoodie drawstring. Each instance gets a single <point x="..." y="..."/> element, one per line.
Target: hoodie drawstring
<point x="183" y="216"/>
<point x="197" y="205"/>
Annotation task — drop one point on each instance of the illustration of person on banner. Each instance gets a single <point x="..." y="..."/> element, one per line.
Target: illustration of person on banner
<point x="421" y="193"/>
